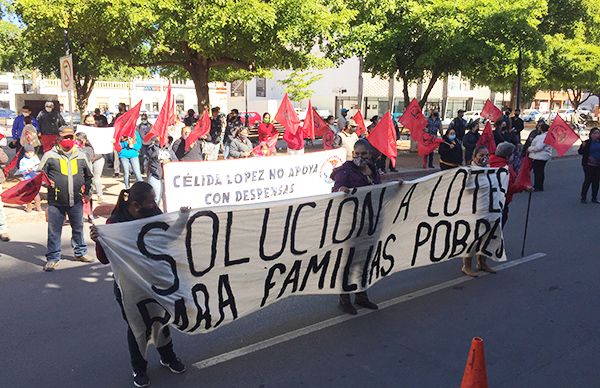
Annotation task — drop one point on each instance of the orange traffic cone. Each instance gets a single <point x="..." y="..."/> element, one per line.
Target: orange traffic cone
<point x="475" y="375"/>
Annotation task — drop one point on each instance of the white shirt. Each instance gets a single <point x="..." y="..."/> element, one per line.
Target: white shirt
<point x="538" y="150"/>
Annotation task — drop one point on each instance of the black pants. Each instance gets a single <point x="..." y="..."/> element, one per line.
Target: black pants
<point x="428" y="159"/>
<point x="592" y="178"/>
<point x="138" y="362"/>
<point x="538" y="172"/>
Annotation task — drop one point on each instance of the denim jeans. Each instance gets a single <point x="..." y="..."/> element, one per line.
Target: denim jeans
<point x="3" y="227"/>
<point x="157" y="186"/>
<point x="56" y="219"/>
<point x="116" y="165"/>
<point x="98" y="167"/>
<point x="128" y="165"/>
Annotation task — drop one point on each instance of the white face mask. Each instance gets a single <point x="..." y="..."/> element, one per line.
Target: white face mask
<point x="26" y="114"/>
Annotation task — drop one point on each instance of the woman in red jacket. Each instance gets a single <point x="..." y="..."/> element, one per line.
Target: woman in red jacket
<point x="266" y="129"/>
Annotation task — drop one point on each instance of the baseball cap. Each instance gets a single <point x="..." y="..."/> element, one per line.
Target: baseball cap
<point x="344" y="110"/>
<point x="66" y="131"/>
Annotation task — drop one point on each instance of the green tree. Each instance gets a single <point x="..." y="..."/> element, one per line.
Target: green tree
<point x="193" y="39"/>
<point x="297" y="84"/>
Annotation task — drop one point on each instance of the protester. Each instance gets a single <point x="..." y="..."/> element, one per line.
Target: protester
<point x="434" y="126"/>
<point x="329" y="134"/>
<point x="28" y="167"/>
<point x="100" y="119"/>
<point x="49" y="123"/>
<point x="331" y="123"/>
<point x="19" y="124"/>
<point x="3" y="226"/>
<point x="532" y="136"/>
<point x="136" y="203"/>
<point x="190" y="118"/>
<point x="470" y="140"/>
<point x="459" y="124"/>
<point x="195" y="151"/>
<point x="590" y="151"/>
<point x="29" y="135"/>
<point x="374" y="121"/>
<point x="517" y="123"/>
<point x="89" y="121"/>
<point x="212" y="144"/>
<point x="506" y="118"/>
<point x="122" y="108"/>
<point x="481" y="157"/>
<point x="266" y="129"/>
<point x="234" y="125"/>
<point x="241" y="146"/>
<point x="357" y="172"/>
<point x="342" y="120"/>
<point x="540" y="153"/>
<point x="143" y="128"/>
<point x="157" y="156"/>
<point x="96" y="160"/>
<point x="451" y="153"/>
<point x="295" y="142"/>
<point x="68" y="187"/>
<point x="130" y="157"/>
<point x="346" y="139"/>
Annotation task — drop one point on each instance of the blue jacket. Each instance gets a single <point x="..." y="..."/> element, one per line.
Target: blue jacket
<point x="19" y="124"/>
<point x="134" y="152"/>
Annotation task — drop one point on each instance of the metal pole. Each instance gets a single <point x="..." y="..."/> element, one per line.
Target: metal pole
<point x="519" y="78"/>
<point x="360" y="83"/>
<point x="69" y="96"/>
<point x="246" y="102"/>
<point x="526" y="225"/>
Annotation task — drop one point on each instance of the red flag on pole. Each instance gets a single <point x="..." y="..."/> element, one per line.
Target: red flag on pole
<point x="561" y="136"/>
<point x="428" y="143"/>
<point x="361" y="128"/>
<point x="523" y="180"/>
<point x="287" y="116"/>
<point x="487" y="138"/>
<point x="1" y="136"/>
<point x="13" y="162"/>
<point x="414" y="119"/>
<point x="491" y="111"/>
<point x="309" y="123"/>
<point x="383" y="137"/>
<point x="164" y="119"/>
<point x="201" y="128"/>
<point x="125" y="124"/>
<point x="25" y="191"/>
<point x="271" y="142"/>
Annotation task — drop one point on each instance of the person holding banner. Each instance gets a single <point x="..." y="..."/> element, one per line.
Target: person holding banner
<point x="157" y="156"/>
<point x="3" y="226"/>
<point x="451" y="153"/>
<point x="136" y="203"/>
<point x="590" y="152"/>
<point x="358" y="172"/>
<point x="540" y="153"/>
<point x="241" y="146"/>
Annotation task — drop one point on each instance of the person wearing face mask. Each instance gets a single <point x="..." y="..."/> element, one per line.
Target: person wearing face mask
<point x="590" y="152"/>
<point x="540" y="153"/>
<point x="434" y="127"/>
<point x="100" y="119"/>
<point x="241" y="146"/>
<point x="470" y="140"/>
<point x="130" y="157"/>
<point x="451" y="153"/>
<point x="143" y="128"/>
<point x="266" y="129"/>
<point x="19" y="124"/>
<point x="356" y="172"/>
<point x="50" y="121"/>
<point x="212" y="144"/>
<point x="70" y="175"/>
<point x="136" y="203"/>
<point x="346" y="139"/>
<point x="234" y="124"/>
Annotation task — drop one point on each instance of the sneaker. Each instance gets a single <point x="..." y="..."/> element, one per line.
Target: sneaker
<point x="4" y="237"/>
<point x="175" y="366"/>
<point x="141" y="379"/>
<point x="366" y="303"/>
<point x="347" y="308"/>
<point x="84" y="259"/>
<point x="50" y="265"/>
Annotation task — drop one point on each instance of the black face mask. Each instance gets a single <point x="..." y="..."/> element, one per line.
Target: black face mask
<point x="149" y="212"/>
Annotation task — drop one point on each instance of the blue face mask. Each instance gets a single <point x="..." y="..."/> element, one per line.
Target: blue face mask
<point x="451" y="137"/>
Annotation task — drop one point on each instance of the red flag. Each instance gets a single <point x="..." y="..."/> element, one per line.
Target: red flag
<point x="1" y="136"/>
<point x="427" y="143"/>
<point x="13" y="162"/>
<point x="414" y="119"/>
<point x="561" y="136"/>
<point x="487" y="138"/>
<point x="328" y="138"/>
<point x="361" y="128"/>
<point x="271" y="142"/>
<point x="383" y="137"/>
<point x="309" y="122"/>
<point x="201" y="128"/>
<point x="164" y="119"/>
<point x="286" y="116"/>
<point x="523" y="180"/>
<point x="25" y="191"/>
<point x="125" y="125"/>
<point x="491" y="111"/>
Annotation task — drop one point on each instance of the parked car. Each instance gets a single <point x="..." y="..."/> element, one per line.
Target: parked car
<point x="472" y="115"/>
<point x="76" y="117"/>
<point x="253" y="118"/>
<point x="531" y="115"/>
<point x="7" y="113"/>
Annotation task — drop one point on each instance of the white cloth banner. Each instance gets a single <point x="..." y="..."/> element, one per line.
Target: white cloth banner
<point x="241" y="181"/>
<point x="199" y="270"/>
<point x="101" y="138"/>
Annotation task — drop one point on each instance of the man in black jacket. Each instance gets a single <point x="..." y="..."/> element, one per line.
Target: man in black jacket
<point x="459" y="124"/>
<point x="70" y="175"/>
<point x="49" y="122"/>
<point x="214" y="138"/>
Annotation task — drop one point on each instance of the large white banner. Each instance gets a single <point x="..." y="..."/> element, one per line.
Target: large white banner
<point x="100" y="138"/>
<point x="199" y="270"/>
<point x="241" y="181"/>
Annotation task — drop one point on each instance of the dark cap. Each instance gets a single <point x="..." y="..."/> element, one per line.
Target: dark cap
<point x="66" y="131"/>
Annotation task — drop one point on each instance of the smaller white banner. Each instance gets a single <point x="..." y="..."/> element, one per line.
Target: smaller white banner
<point x="67" y="81"/>
<point x="100" y="138"/>
<point x="254" y="180"/>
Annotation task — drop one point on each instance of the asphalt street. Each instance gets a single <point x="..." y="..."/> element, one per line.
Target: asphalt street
<point x="538" y="318"/>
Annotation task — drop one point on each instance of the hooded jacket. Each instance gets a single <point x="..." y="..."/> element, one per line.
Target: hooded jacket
<point x="71" y="173"/>
<point x="539" y="150"/>
<point x="349" y="175"/>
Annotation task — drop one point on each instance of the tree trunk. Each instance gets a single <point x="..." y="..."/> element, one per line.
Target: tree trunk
<point x="434" y="77"/>
<point x="513" y="95"/>
<point x="405" y="91"/>
<point x="83" y="89"/>
<point x="198" y="70"/>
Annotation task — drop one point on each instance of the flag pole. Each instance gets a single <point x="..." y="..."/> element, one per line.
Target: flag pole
<point x="526" y="225"/>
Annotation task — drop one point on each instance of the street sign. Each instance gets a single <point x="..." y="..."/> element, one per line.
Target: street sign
<point x="66" y="73"/>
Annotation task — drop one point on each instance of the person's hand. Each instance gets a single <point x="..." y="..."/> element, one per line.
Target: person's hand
<point x="185" y="209"/>
<point x="451" y="145"/>
<point x="192" y="145"/>
<point x="247" y="154"/>
<point x="52" y="183"/>
<point x="344" y="189"/>
<point x="530" y="189"/>
<point x="87" y="198"/>
<point x="94" y="235"/>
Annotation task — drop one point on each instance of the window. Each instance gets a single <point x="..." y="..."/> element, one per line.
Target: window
<point x="237" y="89"/>
<point x="3" y="88"/>
<point x="179" y="104"/>
<point x="261" y="87"/>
